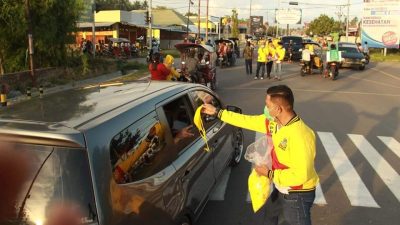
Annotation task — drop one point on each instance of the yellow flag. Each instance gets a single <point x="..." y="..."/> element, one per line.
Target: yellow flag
<point x="199" y="124"/>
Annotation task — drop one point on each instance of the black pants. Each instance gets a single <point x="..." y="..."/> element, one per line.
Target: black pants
<point x="249" y="66"/>
<point x="269" y="68"/>
<point x="262" y="66"/>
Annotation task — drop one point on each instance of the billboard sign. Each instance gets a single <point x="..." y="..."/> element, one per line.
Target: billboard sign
<point x="288" y="16"/>
<point x="381" y="23"/>
<point x="256" y="25"/>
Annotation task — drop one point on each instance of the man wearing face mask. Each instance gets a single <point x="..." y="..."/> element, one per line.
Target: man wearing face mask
<point x="293" y="172"/>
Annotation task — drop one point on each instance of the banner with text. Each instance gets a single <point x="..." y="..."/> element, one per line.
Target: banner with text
<point x="288" y="16"/>
<point x="381" y="23"/>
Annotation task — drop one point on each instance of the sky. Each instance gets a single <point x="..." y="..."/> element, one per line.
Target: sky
<point x="310" y="8"/>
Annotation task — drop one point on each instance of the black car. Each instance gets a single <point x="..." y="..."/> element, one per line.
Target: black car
<point x="351" y="56"/>
<point x="295" y="43"/>
<point x="112" y="153"/>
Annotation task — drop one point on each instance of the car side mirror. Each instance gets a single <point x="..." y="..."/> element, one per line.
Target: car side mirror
<point x="234" y="109"/>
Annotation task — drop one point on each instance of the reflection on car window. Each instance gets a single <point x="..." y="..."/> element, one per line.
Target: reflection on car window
<point x="63" y="184"/>
<point x="201" y="97"/>
<point x="179" y="114"/>
<point x="135" y="152"/>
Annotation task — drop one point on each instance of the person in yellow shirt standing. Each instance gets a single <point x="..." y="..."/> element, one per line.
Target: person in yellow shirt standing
<point x="279" y="55"/>
<point x="270" y="57"/>
<point x="293" y="171"/>
<point x="261" y="59"/>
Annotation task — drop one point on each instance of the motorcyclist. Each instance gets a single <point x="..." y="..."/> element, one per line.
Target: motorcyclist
<point x="333" y="56"/>
<point x="306" y="57"/>
<point x="169" y="63"/>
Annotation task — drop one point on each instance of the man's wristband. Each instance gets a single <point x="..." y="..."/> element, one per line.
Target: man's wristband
<point x="270" y="174"/>
<point x="219" y="113"/>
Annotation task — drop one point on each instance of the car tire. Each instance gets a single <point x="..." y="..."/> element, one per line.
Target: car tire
<point x="184" y="220"/>
<point x="238" y="146"/>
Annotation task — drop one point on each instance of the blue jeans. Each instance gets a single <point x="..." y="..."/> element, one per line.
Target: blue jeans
<point x="291" y="209"/>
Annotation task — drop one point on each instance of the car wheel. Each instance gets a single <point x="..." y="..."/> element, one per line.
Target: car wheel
<point x="238" y="145"/>
<point x="184" y="221"/>
<point x="362" y="67"/>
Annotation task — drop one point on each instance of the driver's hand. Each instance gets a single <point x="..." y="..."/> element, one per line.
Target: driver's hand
<point x="209" y="109"/>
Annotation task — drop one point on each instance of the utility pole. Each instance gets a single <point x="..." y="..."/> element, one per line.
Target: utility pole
<point x="198" y="23"/>
<point x="150" y="28"/>
<point x="250" y="19"/>
<point x="94" y="29"/>
<point x="30" y="41"/>
<point x="347" y="21"/>
<point x="187" y="25"/>
<point x="207" y="23"/>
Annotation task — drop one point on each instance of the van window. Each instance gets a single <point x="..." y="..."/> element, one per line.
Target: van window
<point x="201" y="97"/>
<point x="179" y="116"/>
<point x="40" y="183"/>
<point x="136" y="152"/>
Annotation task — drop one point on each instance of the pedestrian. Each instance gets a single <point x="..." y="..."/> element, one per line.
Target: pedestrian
<point x="293" y="172"/>
<point x="270" y="57"/>
<point x="261" y="59"/>
<point x="248" y="57"/>
<point x="279" y="55"/>
<point x="157" y="69"/>
<point x="290" y="49"/>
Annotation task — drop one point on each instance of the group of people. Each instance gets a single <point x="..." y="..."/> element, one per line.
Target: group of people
<point x="163" y="70"/>
<point x="270" y="54"/>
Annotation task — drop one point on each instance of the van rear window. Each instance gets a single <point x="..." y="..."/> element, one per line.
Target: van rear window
<point x="296" y="40"/>
<point x="43" y="184"/>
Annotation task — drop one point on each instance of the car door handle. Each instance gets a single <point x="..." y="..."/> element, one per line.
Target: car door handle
<point x="215" y="144"/>
<point x="185" y="176"/>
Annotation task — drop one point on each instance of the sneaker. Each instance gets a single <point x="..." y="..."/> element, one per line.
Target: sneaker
<point x="255" y="78"/>
<point x="262" y="78"/>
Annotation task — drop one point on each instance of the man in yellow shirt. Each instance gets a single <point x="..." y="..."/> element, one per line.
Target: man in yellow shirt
<point x="293" y="172"/>
<point x="261" y="59"/>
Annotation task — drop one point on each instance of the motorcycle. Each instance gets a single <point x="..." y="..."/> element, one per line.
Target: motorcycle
<point x="366" y="55"/>
<point x="305" y="67"/>
<point x="332" y="70"/>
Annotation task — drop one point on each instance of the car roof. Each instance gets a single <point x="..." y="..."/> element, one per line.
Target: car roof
<point x="75" y="107"/>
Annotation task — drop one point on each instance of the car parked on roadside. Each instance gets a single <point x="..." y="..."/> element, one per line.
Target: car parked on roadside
<point x="351" y="56"/>
<point x="113" y="153"/>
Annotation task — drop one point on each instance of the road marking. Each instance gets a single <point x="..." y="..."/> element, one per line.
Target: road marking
<point x="355" y="189"/>
<point x="319" y="196"/>
<point x="218" y="194"/>
<point x="392" y="144"/>
<point x="387" y="74"/>
<point x="389" y="176"/>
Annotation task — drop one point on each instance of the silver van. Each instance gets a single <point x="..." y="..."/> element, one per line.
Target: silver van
<point x="112" y="153"/>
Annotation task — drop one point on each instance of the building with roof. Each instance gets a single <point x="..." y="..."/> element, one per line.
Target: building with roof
<point x="168" y="26"/>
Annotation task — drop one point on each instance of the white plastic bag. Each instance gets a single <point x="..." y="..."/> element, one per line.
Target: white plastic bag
<point x="259" y="153"/>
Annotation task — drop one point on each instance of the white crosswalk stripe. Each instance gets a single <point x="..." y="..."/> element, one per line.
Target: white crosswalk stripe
<point x="392" y="144"/>
<point x="355" y="189"/>
<point x="389" y="176"/>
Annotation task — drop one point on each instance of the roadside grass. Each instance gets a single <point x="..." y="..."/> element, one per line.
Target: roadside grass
<point x="392" y="55"/>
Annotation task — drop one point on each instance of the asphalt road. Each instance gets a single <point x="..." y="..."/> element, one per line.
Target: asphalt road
<point x="356" y="119"/>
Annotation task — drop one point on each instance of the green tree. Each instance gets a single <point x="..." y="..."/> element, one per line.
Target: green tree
<point x="53" y="26"/>
<point x="323" y="25"/>
<point x="235" y="24"/>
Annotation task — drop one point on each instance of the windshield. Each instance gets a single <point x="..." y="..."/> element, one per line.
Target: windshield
<point x="348" y="49"/>
<point x="295" y="40"/>
<point x="44" y="184"/>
